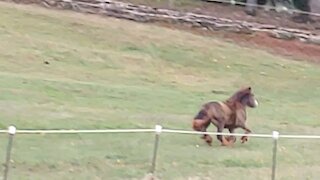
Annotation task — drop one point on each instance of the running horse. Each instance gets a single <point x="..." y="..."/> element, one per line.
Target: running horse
<point x="229" y="114"/>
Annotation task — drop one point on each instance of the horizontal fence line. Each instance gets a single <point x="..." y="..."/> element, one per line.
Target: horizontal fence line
<point x="83" y="131"/>
<point x="300" y="136"/>
<point x="216" y="133"/>
<point x="72" y="131"/>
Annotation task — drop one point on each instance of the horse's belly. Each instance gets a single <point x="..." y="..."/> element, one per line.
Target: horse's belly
<point x="229" y="120"/>
<point x="215" y="122"/>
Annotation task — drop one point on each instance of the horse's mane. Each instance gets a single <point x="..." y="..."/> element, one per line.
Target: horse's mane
<point x="237" y="96"/>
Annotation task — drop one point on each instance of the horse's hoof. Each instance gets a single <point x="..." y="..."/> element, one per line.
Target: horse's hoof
<point x="226" y="143"/>
<point x="209" y="141"/>
<point x="231" y="139"/>
<point x="244" y="139"/>
<point x="207" y="138"/>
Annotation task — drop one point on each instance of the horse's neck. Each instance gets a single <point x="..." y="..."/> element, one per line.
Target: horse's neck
<point x="234" y="105"/>
<point x="240" y="116"/>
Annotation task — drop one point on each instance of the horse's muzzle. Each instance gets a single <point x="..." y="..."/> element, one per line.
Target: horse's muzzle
<point x="256" y="104"/>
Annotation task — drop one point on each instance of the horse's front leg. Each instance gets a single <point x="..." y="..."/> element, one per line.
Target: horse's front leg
<point x="247" y="131"/>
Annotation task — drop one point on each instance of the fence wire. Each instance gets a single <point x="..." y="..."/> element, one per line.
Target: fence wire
<point x="177" y="131"/>
<point x="95" y="151"/>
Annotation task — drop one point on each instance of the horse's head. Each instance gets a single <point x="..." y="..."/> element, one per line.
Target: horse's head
<point x="249" y="99"/>
<point x="245" y="97"/>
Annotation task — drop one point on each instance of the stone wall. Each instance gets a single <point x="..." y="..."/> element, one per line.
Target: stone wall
<point x="142" y="13"/>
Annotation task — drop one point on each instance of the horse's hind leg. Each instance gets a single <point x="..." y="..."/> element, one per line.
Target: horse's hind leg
<point x="206" y="137"/>
<point x="202" y="125"/>
<point x="231" y="139"/>
<point x="221" y="138"/>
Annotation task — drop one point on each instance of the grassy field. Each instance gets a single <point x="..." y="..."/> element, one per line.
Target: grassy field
<point x="109" y="73"/>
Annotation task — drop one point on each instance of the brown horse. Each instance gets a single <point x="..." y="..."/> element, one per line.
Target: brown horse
<point x="230" y="114"/>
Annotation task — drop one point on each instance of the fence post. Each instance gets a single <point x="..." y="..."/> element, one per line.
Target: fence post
<point x="11" y="132"/>
<point x="158" y="129"/>
<point x="275" y="137"/>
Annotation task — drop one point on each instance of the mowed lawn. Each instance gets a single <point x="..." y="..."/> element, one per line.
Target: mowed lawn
<point x="63" y="70"/>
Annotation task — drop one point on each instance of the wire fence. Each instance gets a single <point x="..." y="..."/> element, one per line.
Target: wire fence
<point x="12" y="132"/>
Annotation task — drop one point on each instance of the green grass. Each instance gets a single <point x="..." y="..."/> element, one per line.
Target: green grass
<point x="109" y="73"/>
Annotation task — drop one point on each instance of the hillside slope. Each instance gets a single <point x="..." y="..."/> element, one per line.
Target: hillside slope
<point x="62" y="70"/>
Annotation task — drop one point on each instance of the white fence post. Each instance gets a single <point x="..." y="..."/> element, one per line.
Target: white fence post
<point x="11" y="132"/>
<point x="275" y="137"/>
<point x="158" y="130"/>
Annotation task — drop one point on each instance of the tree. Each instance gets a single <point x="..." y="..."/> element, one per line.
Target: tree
<point x="302" y="5"/>
<point x="250" y="5"/>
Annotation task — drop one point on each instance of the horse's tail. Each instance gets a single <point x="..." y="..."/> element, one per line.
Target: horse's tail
<point x="201" y="120"/>
<point x="202" y="114"/>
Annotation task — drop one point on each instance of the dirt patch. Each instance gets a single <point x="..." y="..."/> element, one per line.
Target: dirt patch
<point x="294" y="49"/>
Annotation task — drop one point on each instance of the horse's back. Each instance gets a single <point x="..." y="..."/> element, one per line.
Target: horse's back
<point x="204" y="112"/>
<point x="213" y="109"/>
<point x="219" y="112"/>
